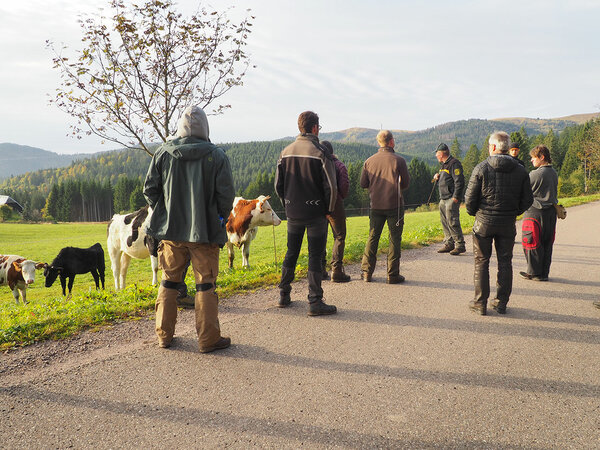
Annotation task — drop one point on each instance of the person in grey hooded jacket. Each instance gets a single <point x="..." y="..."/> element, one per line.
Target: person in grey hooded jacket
<point x="189" y="186"/>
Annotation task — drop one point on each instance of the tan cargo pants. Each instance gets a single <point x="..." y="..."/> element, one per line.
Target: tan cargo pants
<point x="172" y="259"/>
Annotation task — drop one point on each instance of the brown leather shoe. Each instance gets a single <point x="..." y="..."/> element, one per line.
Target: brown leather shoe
<point x="222" y="343"/>
<point x="478" y="308"/>
<point x="458" y="251"/>
<point x="339" y="276"/>
<point x="395" y="279"/>
<point x="446" y="249"/>
<point x="366" y="277"/>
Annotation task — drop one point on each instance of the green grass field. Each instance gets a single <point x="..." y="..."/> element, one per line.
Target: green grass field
<point x="48" y="315"/>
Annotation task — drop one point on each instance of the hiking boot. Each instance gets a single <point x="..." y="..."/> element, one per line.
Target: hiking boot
<point x="186" y="302"/>
<point x="525" y="275"/>
<point x="499" y="306"/>
<point x="446" y="249"/>
<point x="366" y="277"/>
<point x="320" y="308"/>
<point x="395" y="279"/>
<point x="458" y="251"/>
<point x="284" y="300"/>
<point x="338" y="276"/>
<point x="479" y="308"/>
<point x="596" y="304"/>
<point x="222" y="343"/>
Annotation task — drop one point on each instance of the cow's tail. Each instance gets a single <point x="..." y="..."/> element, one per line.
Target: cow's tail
<point x="100" y="256"/>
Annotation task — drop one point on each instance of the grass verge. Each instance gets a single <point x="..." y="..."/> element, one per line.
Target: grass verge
<point x="49" y="315"/>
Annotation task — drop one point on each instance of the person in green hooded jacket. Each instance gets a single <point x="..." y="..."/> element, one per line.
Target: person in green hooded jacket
<point x="189" y="186"/>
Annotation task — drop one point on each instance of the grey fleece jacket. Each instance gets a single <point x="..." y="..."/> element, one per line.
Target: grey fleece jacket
<point x="544" y="185"/>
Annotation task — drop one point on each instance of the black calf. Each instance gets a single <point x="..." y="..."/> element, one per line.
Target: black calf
<point x="71" y="261"/>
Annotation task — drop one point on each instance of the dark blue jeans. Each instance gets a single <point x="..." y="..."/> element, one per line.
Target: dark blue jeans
<point x="316" y="233"/>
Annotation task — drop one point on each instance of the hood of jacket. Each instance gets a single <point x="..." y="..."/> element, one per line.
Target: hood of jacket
<point x="188" y="148"/>
<point x="503" y="163"/>
<point x="193" y="122"/>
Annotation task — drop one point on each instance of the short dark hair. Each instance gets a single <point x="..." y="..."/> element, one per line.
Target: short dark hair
<point x="541" y="151"/>
<point x="327" y="147"/>
<point x="306" y="121"/>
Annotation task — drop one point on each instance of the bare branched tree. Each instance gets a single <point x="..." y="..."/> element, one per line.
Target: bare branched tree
<point x="141" y="67"/>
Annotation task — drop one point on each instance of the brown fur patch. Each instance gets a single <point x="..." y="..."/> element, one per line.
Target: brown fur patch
<point x="240" y="217"/>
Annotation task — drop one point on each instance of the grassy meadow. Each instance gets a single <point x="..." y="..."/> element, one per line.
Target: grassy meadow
<point x="49" y="315"/>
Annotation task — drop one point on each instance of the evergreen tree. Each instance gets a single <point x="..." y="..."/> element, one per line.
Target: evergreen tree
<point x="51" y="209"/>
<point x="137" y="199"/>
<point x="263" y="184"/>
<point x="357" y="201"/>
<point x="470" y="161"/>
<point x="420" y="183"/>
<point x="485" y="149"/>
<point x="123" y="190"/>
<point x="455" y="149"/>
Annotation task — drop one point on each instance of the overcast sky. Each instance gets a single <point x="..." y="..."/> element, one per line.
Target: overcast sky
<point x="379" y="64"/>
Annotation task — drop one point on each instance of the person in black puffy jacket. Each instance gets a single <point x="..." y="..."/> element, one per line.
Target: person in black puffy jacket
<point x="498" y="191"/>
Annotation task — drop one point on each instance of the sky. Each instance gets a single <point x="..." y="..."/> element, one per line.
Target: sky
<point x="404" y="65"/>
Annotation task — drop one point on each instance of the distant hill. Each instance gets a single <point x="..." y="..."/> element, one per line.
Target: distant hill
<point x="19" y="159"/>
<point x="544" y="125"/>
<point x="473" y="131"/>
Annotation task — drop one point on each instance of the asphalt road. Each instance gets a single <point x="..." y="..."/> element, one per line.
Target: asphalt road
<point x="400" y="366"/>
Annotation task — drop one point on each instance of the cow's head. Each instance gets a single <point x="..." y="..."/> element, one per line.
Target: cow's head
<point x="51" y="272"/>
<point x="264" y="212"/>
<point x="27" y="269"/>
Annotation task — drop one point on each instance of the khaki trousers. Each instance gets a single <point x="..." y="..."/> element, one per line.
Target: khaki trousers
<point x="173" y="257"/>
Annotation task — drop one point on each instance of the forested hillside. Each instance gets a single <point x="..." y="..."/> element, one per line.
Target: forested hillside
<point x="110" y="182"/>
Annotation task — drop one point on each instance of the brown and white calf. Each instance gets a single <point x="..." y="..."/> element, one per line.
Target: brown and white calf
<point x="127" y="239"/>
<point x="17" y="273"/>
<point x="244" y="220"/>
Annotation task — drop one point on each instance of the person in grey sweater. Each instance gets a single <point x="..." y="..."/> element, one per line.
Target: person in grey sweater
<point x="539" y="221"/>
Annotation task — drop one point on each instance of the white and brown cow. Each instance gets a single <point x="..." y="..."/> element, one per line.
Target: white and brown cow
<point x="244" y="220"/>
<point x="17" y="273"/>
<point x="127" y="239"/>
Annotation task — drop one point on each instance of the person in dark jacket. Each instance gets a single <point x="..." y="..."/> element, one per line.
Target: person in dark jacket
<point x="337" y="219"/>
<point x="539" y="221"/>
<point x="452" y="187"/>
<point x="498" y="192"/>
<point x="189" y="186"/>
<point x="306" y="184"/>
<point x="385" y="175"/>
<point x="514" y="152"/>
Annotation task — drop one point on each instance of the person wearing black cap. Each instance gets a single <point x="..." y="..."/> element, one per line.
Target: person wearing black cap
<point x="451" y="186"/>
<point x="514" y="152"/>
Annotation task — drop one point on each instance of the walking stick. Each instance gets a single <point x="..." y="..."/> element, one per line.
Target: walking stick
<point x="432" y="189"/>
<point x="274" y="246"/>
